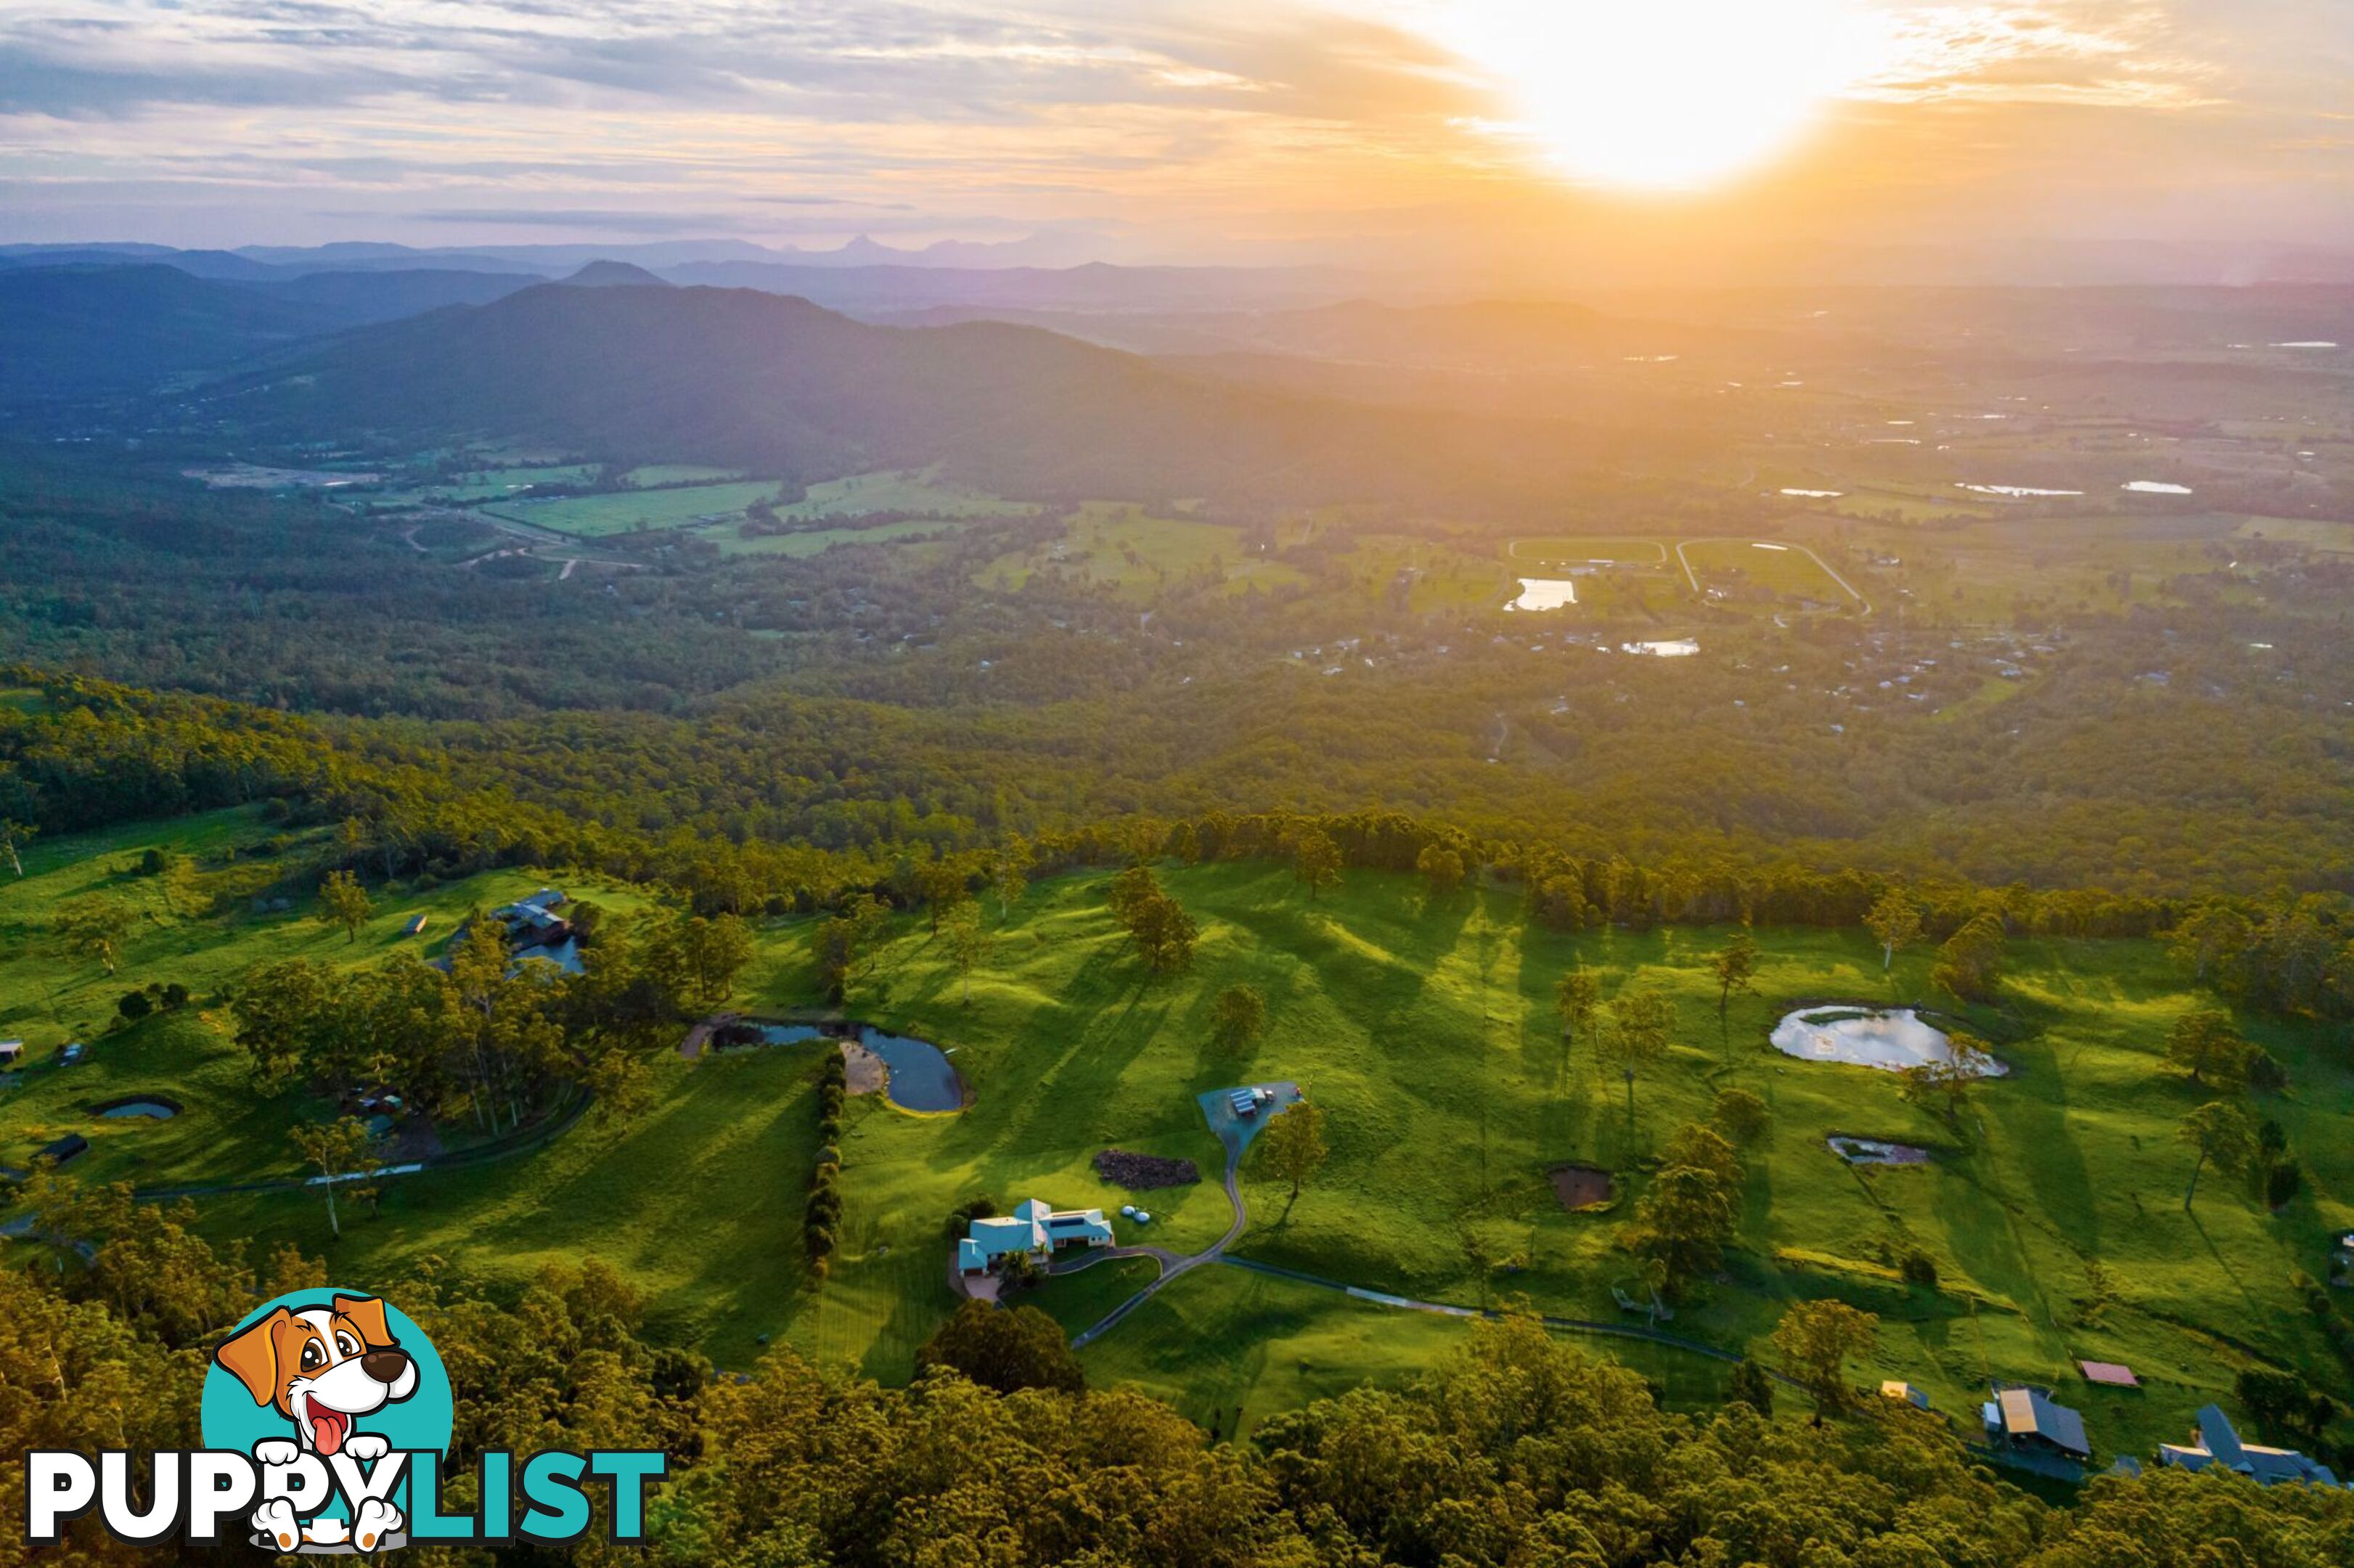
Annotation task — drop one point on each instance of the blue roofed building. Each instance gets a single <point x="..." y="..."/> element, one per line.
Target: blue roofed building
<point x="2216" y="1443"/>
<point x="1033" y="1229"/>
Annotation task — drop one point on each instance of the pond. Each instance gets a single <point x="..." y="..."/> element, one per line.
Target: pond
<point x="150" y="1108"/>
<point x="1545" y="593"/>
<point x="919" y="1075"/>
<point x="1891" y="1038"/>
<point x="1875" y="1151"/>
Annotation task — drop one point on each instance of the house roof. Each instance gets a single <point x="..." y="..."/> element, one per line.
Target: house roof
<point x="2112" y="1374"/>
<point x="1897" y="1389"/>
<point x="2027" y="1412"/>
<point x="2219" y="1443"/>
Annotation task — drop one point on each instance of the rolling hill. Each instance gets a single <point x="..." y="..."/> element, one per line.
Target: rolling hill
<point x="776" y="384"/>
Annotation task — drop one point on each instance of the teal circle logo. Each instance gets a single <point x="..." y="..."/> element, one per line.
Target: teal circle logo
<point x="317" y="1381"/>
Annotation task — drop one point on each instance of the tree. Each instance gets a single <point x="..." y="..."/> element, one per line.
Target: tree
<point x="1294" y="1142"/>
<point x="1316" y="860"/>
<point x="1942" y="1087"/>
<point x="2204" y="1045"/>
<point x="1641" y="1023"/>
<point x="13" y="838"/>
<point x="1894" y="922"/>
<point x="2210" y="938"/>
<point x="846" y="943"/>
<point x="1735" y="968"/>
<point x="344" y="902"/>
<point x="92" y="926"/>
<point x="2222" y="1135"/>
<point x="709" y="953"/>
<point x="1006" y="1350"/>
<point x="1683" y="1221"/>
<point x="1815" y="1339"/>
<point x="942" y="885"/>
<point x="339" y="1149"/>
<point x="1441" y="869"/>
<point x="1010" y="874"/>
<point x="1237" y="1015"/>
<point x="1704" y="1148"/>
<point x="1577" y="997"/>
<point x="1751" y="1385"/>
<point x="1740" y="1116"/>
<point x="968" y="942"/>
<point x="1969" y="962"/>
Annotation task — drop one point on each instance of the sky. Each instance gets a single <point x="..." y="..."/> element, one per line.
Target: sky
<point x="1506" y="135"/>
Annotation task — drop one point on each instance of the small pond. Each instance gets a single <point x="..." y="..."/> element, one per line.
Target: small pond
<point x="920" y="1075"/>
<point x="1894" y="1038"/>
<point x="1875" y="1151"/>
<point x="148" y="1107"/>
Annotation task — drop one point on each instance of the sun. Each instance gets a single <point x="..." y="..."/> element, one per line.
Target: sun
<point x="1660" y="94"/>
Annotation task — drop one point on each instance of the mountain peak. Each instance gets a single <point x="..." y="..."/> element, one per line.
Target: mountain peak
<point x="615" y="275"/>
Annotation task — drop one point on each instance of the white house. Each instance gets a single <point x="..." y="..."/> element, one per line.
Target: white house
<point x="1033" y="1229"/>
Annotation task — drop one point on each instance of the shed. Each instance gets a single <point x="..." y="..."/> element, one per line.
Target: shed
<point x="415" y="926"/>
<point x="11" y="1052"/>
<point x="2110" y="1374"/>
<point x="1897" y="1389"/>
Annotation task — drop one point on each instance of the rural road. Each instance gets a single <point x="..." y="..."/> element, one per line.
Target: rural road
<point x="1171" y="1265"/>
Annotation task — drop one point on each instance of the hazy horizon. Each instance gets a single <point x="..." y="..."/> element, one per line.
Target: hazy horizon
<point x="2053" y="140"/>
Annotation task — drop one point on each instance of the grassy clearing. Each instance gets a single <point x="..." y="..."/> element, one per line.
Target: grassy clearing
<point x="1574" y="550"/>
<point x="2053" y="1213"/>
<point x="2318" y="535"/>
<point x="631" y="510"/>
<point x="1126" y="547"/>
<point x="817" y="541"/>
<point x="661" y="473"/>
<point x="1777" y="567"/>
<point x="888" y="491"/>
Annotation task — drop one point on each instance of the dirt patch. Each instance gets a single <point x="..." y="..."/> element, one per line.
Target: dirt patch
<point x="1583" y="1187"/>
<point x="1145" y="1172"/>
<point x="862" y="1070"/>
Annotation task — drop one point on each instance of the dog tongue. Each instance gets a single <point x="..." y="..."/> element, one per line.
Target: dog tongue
<point x="327" y="1429"/>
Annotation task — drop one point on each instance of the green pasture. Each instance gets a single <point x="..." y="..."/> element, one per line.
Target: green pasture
<point x="898" y="490"/>
<point x="1779" y="567"/>
<point x="633" y="511"/>
<point x="1426" y="1030"/>
<point x="1125" y="547"/>
<point x="652" y="474"/>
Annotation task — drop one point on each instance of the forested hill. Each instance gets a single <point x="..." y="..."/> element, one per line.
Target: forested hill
<point x="778" y="385"/>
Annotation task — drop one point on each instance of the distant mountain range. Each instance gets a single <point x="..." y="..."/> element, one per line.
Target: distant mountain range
<point x="78" y="332"/>
<point x="741" y="378"/>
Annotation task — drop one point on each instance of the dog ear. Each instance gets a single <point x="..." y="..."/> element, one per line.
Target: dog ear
<point x="251" y="1357"/>
<point x="367" y="1314"/>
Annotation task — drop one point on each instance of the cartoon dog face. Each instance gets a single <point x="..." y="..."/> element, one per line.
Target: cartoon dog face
<point x="322" y="1367"/>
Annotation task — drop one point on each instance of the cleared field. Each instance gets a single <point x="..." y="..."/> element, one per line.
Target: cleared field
<point x="1785" y="570"/>
<point x="2315" y="533"/>
<point x="817" y="541"/>
<point x="1572" y="550"/>
<point x="635" y="511"/>
<point x="909" y="490"/>
<point x="1123" y="546"/>
<point x="660" y="473"/>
